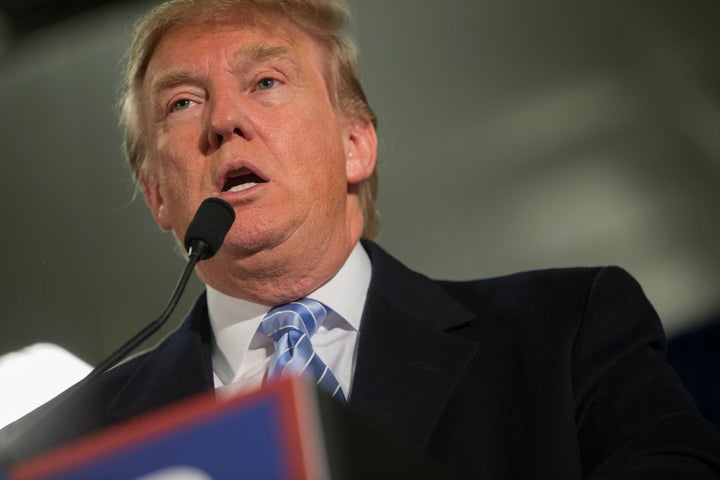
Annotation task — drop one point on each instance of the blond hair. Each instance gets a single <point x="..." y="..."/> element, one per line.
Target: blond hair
<point x="322" y="20"/>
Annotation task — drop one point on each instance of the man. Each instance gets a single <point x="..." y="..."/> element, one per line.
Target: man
<point x="554" y="374"/>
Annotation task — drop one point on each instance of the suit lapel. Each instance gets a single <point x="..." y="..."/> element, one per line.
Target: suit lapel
<point x="178" y="368"/>
<point x="407" y="364"/>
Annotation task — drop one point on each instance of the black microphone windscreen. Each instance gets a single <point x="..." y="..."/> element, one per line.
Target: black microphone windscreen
<point x="211" y="223"/>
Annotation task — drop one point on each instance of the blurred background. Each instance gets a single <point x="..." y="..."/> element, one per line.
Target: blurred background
<point x="514" y="136"/>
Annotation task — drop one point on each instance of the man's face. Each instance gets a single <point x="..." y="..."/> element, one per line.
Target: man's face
<point x="244" y="114"/>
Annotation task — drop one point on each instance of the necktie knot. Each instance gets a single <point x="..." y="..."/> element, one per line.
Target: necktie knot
<point x="304" y="316"/>
<point x="291" y="326"/>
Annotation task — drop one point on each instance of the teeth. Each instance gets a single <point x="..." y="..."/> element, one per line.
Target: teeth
<point x="241" y="187"/>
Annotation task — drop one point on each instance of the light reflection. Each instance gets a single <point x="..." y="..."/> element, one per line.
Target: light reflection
<point x="34" y="375"/>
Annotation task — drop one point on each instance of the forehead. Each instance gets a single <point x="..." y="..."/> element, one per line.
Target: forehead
<point x="236" y="41"/>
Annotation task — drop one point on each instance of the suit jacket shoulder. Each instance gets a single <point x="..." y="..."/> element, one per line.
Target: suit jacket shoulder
<point x="555" y="373"/>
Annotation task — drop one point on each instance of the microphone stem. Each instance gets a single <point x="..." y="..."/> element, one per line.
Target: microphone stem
<point x="12" y="432"/>
<point x="152" y="327"/>
<point x="203" y="239"/>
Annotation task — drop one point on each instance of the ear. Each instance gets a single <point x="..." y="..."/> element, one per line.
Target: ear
<point x="360" y="150"/>
<point x="151" y="189"/>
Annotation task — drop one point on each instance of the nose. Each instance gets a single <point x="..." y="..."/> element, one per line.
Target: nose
<point x="226" y="118"/>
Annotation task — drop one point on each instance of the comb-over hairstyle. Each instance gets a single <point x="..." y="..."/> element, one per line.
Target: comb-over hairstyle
<point x="323" y="20"/>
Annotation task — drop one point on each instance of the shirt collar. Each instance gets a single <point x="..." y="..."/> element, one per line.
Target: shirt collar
<point x="234" y="321"/>
<point x="346" y="292"/>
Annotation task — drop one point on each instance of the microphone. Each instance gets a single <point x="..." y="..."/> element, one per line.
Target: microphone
<point x="203" y="239"/>
<point x="209" y="227"/>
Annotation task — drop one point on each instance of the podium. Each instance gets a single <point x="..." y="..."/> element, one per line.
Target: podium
<point x="287" y="430"/>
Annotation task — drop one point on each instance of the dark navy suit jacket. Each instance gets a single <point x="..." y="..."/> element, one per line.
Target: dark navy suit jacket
<point x="555" y="374"/>
<point x="695" y="355"/>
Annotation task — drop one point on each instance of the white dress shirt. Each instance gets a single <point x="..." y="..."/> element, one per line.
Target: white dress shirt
<point x="241" y="354"/>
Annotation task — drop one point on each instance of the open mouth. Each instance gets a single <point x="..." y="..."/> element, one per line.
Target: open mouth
<point x="241" y="180"/>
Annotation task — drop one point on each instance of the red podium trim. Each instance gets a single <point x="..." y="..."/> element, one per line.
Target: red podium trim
<point x="300" y="438"/>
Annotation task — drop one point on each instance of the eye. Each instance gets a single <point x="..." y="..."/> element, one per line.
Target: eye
<point x="181" y="104"/>
<point x="266" y="83"/>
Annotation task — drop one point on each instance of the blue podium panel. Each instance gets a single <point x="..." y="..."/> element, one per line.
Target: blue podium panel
<point x="259" y="436"/>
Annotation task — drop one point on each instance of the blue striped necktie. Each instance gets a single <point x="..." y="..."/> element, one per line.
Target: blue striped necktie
<point x="291" y="327"/>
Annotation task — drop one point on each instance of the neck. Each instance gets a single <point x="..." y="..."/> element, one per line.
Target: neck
<point x="279" y="275"/>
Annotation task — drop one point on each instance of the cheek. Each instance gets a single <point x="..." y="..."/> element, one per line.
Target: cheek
<point x="177" y="183"/>
<point x="178" y="156"/>
<point x="312" y="144"/>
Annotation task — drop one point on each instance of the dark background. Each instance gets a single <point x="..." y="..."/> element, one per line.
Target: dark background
<point x="514" y="135"/>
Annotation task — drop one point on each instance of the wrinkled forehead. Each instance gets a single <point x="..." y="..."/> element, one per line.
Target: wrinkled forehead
<point x="273" y="25"/>
<point x="249" y="39"/>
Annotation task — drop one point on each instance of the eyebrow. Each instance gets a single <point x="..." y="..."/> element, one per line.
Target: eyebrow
<point x="172" y="79"/>
<point x="244" y="58"/>
<point x="261" y="52"/>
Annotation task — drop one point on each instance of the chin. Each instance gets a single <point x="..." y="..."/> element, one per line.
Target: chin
<point x="244" y="242"/>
